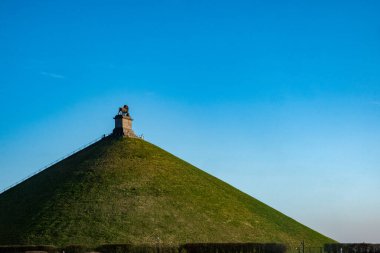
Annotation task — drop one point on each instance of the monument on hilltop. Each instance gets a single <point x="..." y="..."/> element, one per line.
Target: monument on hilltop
<point x="124" y="194"/>
<point x="123" y="123"/>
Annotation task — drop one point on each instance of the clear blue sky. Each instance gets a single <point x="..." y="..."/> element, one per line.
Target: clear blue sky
<point x="279" y="98"/>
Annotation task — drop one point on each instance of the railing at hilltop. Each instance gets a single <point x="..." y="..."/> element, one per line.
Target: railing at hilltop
<point x="55" y="162"/>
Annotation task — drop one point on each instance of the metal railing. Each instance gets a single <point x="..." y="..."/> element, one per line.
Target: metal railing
<point x="55" y="162"/>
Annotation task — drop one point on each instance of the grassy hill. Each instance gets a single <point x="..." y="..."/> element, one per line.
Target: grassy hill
<point x="129" y="191"/>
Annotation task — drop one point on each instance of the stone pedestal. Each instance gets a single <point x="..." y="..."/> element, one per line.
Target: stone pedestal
<point x="123" y="126"/>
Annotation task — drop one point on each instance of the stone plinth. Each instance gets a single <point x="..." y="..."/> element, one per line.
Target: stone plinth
<point x="123" y="126"/>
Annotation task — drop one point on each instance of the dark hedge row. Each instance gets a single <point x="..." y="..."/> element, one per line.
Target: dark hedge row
<point x="233" y="248"/>
<point x="352" y="248"/>
<point x="22" y="249"/>
<point x="129" y="248"/>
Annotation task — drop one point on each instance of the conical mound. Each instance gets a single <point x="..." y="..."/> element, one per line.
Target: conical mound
<point x="126" y="190"/>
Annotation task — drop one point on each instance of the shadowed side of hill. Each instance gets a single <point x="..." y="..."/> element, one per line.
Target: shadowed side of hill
<point x="124" y="190"/>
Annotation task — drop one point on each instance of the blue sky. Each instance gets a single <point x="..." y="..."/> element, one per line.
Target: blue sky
<point x="279" y="98"/>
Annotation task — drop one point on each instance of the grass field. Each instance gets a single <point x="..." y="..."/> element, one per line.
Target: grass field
<point x="130" y="191"/>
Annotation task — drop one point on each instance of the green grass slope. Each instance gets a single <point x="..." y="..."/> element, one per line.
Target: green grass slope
<point x="130" y="191"/>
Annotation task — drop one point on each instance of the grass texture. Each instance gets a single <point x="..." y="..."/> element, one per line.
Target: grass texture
<point x="124" y="190"/>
